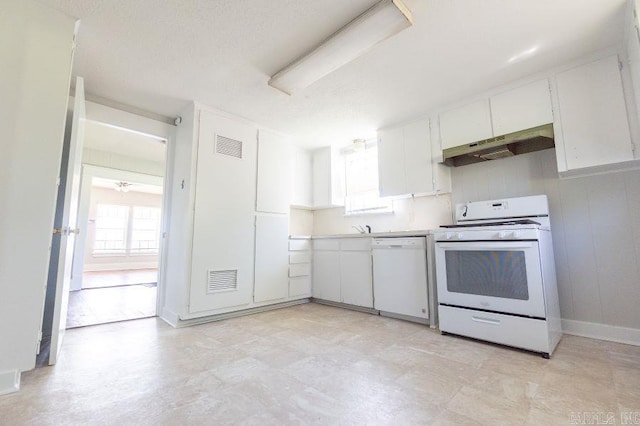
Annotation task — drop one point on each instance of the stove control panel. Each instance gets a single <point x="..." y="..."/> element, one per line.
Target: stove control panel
<point x="487" y="234"/>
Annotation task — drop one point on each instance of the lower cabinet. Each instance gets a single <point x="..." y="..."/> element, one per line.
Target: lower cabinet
<point x="342" y="271"/>
<point x="299" y="268"/>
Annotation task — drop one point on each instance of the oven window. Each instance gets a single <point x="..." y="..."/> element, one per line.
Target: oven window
<point x="493" y="273"/>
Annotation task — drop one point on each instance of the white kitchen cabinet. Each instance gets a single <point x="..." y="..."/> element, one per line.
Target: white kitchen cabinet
<point x="272" y="258"/>
<point x="406" y="162"/>
<point x="593" y="113"/>
<point x="328" y="178"/>
<point x="511" y="111"/>
<point x="274" y="165"/>
<point x="391" y="162"/>
<point x="222" y="251"/>
<point x="356" y="272"/>
<point x="465" y="124"/>
<point x="299" y="268"/>
<point x="521" y="108"/>
<point x="342" y="271"/>
<point x="326" y="275"/>
<point x="301" y="177"/>
<point x="417" y="157"/>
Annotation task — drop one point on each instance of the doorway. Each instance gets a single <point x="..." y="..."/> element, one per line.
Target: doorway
<point x="116" y="259"/>
<point x="124" y="150"/>
<point x="116" y="263"/>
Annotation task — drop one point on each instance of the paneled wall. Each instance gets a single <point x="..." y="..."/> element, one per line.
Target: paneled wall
<point x="595" y="224"/>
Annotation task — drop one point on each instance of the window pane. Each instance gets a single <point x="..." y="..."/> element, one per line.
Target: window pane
<point x="111" y="229"/>
<point x="145" y="230"/>
<point x="361" y="173"/>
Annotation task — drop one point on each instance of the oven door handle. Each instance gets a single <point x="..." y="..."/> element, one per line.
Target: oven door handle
<point x="486" y="320"/>
<point x="474" y="245"/>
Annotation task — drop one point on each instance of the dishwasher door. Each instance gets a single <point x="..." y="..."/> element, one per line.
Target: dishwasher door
<point x="400" y="277"/>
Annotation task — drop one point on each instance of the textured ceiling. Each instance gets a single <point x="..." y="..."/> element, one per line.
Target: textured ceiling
<point x="159" y="55"/>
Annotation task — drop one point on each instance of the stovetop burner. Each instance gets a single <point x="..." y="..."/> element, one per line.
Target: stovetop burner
<point x="501" y="223"/>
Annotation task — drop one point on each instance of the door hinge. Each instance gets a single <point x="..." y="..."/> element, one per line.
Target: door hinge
<point x="620" y="65"/>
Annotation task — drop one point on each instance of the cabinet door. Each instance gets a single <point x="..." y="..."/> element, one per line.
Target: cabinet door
<point x="301" y="177"/>
<point x="355" y="278"/>
<point x="595" y="128"/>
<point x="273" y="187"/>
<point x="391" y="168"/>
<point x="222" y="257"/>
<point x="417" y="157"/>
<point x="326" y="275"/>
<point x="466" y="124"/>
<point x="322" y="177"/>
<point x="272" y="258"/>
<point x="522" y="108"/>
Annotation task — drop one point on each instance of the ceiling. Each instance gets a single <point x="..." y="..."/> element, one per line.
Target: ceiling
<point x="123" y="142"/>
<point x="99" y="182"/>
<point x="158" y="56"/>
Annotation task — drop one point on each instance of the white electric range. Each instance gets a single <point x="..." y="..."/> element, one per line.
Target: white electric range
<point x="495" y="274"/>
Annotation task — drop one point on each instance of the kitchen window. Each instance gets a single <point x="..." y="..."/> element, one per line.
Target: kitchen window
<point x="361" y="180"/>
<point x="126" y="230"/>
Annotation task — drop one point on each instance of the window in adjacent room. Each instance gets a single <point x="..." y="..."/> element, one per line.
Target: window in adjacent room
<point x="126" y="230"/>
<point x="361" y="179"/>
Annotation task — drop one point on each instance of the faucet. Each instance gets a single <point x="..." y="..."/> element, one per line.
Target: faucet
<point x="361" y="229"/>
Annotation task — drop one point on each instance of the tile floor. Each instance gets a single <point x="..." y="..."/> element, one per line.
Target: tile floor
<point x="314" y="364"/>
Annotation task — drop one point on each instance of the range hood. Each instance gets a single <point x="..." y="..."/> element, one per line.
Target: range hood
<point x="522" y="142"/>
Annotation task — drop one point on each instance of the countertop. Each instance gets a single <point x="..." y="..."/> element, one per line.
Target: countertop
<point x="416" y="233"/>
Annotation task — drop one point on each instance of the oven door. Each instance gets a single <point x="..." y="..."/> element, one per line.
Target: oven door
<point x="500" y="276"/>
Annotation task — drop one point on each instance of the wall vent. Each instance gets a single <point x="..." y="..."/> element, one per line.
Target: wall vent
<point x="228" y="146"/>
<point x="225" y="280"/>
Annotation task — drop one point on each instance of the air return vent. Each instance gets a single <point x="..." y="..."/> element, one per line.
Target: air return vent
<point x="228" y="146"/>
<point x="225" y="280"/>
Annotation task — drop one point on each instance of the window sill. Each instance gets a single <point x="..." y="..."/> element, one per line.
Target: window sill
<point x="371" y="213"/>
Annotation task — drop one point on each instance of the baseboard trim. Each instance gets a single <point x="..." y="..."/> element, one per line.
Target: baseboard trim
<point x="611" y="333"/>
<point x="219" y="317"/>
<point x="9" y="382"/>
<point x="169" y="317"/>
<point x="124" y="266"/>
<point x="346" y="306"/>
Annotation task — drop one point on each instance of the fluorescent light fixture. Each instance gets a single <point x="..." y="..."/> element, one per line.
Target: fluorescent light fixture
<point x="385" y="19"/>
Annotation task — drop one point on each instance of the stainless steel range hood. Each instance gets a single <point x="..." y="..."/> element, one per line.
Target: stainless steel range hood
<point x="530" y="140"/>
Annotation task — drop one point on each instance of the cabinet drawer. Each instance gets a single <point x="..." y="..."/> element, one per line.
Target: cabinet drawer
<point x="300" y="257"/>
<point x="300" y="270"/>
<point x="526" y="333"/>
<point x="328" y="244"/>
<point x="355" y="244"/>
<point x="299" y="245"/>
<point x="300" y="286"/>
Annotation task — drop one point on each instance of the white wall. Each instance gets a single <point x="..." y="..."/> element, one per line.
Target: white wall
<point x="596" y="233"/>
<point x="113" y="160"/>
<point x="36" y="56"/>
<point x="110" y="196"/>
<point x="409" y="214"/>
<point x="300" y="222"/>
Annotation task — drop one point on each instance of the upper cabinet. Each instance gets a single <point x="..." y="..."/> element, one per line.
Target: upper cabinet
<point x="301" y="177"/>
<point x="592" y="111"/>
<point x="273" y="188"/>
<point x="466" y="124"/>
<point x="517" y="109"/>
<point x="405" y="161"/>
<point x="328" y="178"/>
<point x="522" y="108"/>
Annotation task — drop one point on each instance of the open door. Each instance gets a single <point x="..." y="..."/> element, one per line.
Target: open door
<point x="67" y="228"/>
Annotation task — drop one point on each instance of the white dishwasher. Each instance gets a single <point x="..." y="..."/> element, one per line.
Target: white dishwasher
<point x="400" y="278"/>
